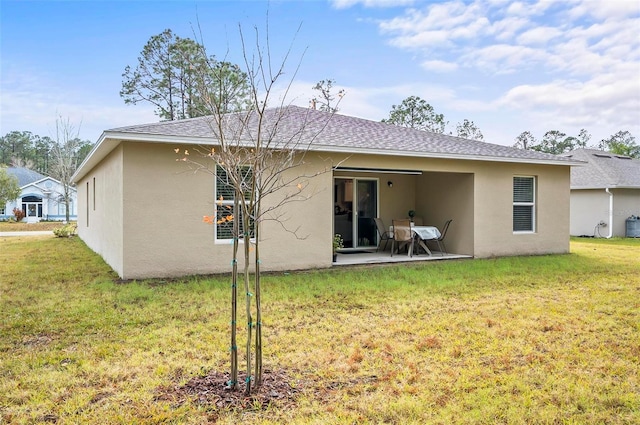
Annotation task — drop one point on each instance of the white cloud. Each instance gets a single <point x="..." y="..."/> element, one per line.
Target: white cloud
<point x="343" y="4"/>
<point x="503" y="58"/>
<point x="506" y="29"/>
<point x="539" y="35"/>
<point x="603" y="102"/>
<point x="517" y="9"/>
<point x="439" y="66"/>
<point x="529" y="9"/>
<point x="555" y="63"/>
<point x="477" y="33"/>
<point x="605" y="9"/>
<point x="454" y="16"/>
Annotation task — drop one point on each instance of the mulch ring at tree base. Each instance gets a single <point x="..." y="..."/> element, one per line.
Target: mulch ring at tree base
<point x="277" y="390"/>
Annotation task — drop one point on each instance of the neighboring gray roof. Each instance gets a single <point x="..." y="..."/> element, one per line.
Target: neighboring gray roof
<point x="604" y="169"/>
<point x="325" y="132"/>
<point x="25" y="176"/>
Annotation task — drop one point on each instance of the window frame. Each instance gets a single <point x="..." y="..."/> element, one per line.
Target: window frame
<point x="227" y="202"/>
<point x="529" y="204"/>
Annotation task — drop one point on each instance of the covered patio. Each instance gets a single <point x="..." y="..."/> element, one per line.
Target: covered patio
<point x="365" y="195"/>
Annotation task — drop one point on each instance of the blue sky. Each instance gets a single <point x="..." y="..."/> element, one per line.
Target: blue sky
<point x="509" y="66"/>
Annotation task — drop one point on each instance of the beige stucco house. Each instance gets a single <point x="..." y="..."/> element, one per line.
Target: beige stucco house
<point x="605" y="193"/>
<point x="142" y="210"/>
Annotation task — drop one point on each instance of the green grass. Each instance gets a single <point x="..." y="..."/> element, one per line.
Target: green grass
<point x="546" y="339"/>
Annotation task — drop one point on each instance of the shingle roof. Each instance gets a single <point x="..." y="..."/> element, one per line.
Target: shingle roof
<point x="25" y="176"/>
<point x="604" y="169"/>
<point x="348" y="134"/>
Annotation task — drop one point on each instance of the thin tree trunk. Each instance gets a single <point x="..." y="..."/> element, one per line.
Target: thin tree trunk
<point x="258" y="366"/>
<point x="247" y="252"/>
<point x="233" y="381"/>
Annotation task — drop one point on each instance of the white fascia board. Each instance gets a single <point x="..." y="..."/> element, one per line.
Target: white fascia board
<point x="159" y="138"/>
<point x="47" y="178"/>
<point x="437" y="155"/>
<point x="109" y="140"/>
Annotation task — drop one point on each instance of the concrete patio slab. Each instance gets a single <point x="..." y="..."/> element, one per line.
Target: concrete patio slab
<point x="362" y="257"/>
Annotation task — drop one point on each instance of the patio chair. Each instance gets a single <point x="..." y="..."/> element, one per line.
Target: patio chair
<point x="440" y="241"/>
<point x="403" y="235"/>
<point x="382" y="232"/>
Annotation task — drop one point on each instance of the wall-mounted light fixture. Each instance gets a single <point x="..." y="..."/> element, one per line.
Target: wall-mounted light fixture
<point x="390" y="183"/>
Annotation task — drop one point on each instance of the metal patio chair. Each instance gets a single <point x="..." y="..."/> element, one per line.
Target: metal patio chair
<point x="403" y="235"/>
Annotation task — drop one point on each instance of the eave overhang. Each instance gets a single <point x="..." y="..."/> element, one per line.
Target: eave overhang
<point x="109" y="140"/>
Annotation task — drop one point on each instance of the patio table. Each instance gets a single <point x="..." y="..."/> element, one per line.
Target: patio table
<point x="422" y="233"/>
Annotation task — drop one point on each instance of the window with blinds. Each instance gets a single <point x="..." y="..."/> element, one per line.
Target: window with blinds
<point x="225" y="197"/>
<point x="524" y="199"/>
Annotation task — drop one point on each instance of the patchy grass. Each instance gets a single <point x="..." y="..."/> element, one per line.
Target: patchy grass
<point x="548" y="339"/>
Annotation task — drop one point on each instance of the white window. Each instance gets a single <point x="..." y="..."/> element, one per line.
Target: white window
<point x="225" y="197"/>
<point x="524" y="204"/>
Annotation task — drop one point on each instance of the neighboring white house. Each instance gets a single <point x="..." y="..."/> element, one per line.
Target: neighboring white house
<point x="41" y="197"/>
<point x="605" y="194"/>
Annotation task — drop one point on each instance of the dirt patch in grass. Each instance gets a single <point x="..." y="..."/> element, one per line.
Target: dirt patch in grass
<point x="37" y="341"/>
<point x="278" y="389"/>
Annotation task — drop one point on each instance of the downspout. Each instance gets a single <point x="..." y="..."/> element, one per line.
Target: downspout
<point x="610" y="213"/>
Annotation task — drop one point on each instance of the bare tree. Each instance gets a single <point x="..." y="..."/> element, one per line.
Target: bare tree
<point x="64" y="158"/>
<point x="262" y="166"/>
<point x="326" y="100"/>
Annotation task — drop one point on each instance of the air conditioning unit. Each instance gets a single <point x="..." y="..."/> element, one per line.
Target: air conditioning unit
<point x="633" y="227"/>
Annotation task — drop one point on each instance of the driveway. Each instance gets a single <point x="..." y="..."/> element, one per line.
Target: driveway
<point x="34" y="233"/>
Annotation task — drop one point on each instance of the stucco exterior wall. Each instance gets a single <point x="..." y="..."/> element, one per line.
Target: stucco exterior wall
<point x="591" y="206"/>
<point x="626" y="203"/>
<point x="444" y="196"/>
<point x="100" y="209"/>
<point x="142" y="210"/>
<point x="164" y="232"/>
<point x="493" y="227"/>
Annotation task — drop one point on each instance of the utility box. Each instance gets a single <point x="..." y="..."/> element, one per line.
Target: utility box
<point x="633" y="227"/>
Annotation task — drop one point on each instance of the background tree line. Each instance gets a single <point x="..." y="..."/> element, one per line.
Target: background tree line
<point x="25" y="149"/>
<point x="414" y="112"/>
<point x="557" y="142"/>
<point x="176" y="76"/>
<point x="59" y="157"/>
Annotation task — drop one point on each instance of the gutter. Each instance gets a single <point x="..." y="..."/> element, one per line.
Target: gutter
<point x="610" y="212"/>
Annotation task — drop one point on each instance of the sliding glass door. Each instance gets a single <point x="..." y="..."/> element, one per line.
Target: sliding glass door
<point x="355" y="207"/>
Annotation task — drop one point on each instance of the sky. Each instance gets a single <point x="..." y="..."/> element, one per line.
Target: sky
<point x="508" y="66"/>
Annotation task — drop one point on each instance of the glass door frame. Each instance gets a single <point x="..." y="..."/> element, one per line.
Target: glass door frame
<point x="356" y="237"/>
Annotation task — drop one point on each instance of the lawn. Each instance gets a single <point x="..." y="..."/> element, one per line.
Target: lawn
<point x="546" y="339"/>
